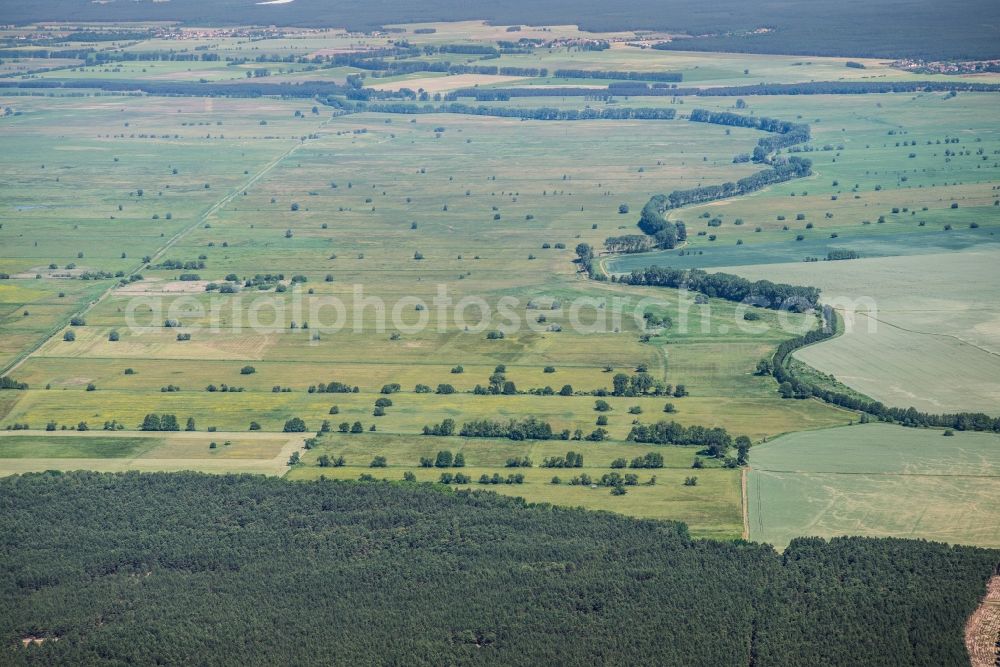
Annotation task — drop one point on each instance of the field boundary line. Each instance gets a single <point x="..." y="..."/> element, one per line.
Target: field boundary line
<point x="744" y="499"/>
<point x="889" y="474"/>
<point x="930" y="333"/>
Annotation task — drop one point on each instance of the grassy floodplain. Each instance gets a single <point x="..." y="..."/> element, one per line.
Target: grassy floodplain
<point x="361" y="232"/>
<point x="922" y="217"/>
<point x="410" y="207"/>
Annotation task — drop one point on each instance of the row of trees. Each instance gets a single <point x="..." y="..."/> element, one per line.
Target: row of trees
<point x="532" y="91"/>
<point x="793" y="385"/>
<point x="456" y="478"/>
<point x="670" y="77"/>
<point x="445" y="428"/>
<point x="762" y="293"/>
<point x="649" y="460"/>
<point x="628" y="243"/>
<point x="739" y="120"/>
<point x="164" y="422"/>
<point x="571" y="460"/>
<point x="383" y="68"/>
<point x="528" y="428"/>
<point x="444" y="459"/>
<point x="779" y="171"/>
<point x="333" y="387"/>
<point x="526" y="113"/>
<point x="784" y="133"/>
<point x="716" y="439"/>
<point x="306" y="89"/>
<point x="585" y="259"/>
<point x="665" y="233"/>
<point x="844" y="88"/>
<point x="808" y="88"/>
<point x="637" y="384"/>
<point x="7" y="382"/>
<point x="497" y="478"/>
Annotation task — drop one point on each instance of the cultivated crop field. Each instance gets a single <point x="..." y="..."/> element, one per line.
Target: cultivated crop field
<point x="937" y="350"/>
<point x="877" y="479"/>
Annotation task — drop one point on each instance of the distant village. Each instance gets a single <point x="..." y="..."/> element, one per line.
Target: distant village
<point x="948" y="67"/>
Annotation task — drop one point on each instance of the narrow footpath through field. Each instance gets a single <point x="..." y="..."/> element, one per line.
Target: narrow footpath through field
<point x="198" y="222"/>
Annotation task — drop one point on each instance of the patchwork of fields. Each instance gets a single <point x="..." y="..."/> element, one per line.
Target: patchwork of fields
<point x="224" y="259"/>
<point x="370" y="192"/>
<point x="923" y="220"/>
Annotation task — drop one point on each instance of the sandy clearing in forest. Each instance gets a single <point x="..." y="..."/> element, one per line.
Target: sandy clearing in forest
<point x="982" y="631"/>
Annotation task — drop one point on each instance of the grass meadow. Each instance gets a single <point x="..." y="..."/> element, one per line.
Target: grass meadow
<point x="371" y="191"/>
<point x="116" y="451"/>
<point x="712" y="508"/>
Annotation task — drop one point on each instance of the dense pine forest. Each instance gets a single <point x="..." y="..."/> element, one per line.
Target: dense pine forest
<point x="925" y="29"/>
<point x="415" y="574"/>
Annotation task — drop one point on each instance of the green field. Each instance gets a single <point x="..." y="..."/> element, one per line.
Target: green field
<point x="877" y="479"/>
<point x="712" y="508"/>
<point x="484" y="176"/>
<point x="385" y="213"/>
<point x="113" y="451"/>
<point x="928" y="268"/>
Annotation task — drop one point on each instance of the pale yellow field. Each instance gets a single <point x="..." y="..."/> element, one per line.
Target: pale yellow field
<point x="926" y="331"/>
